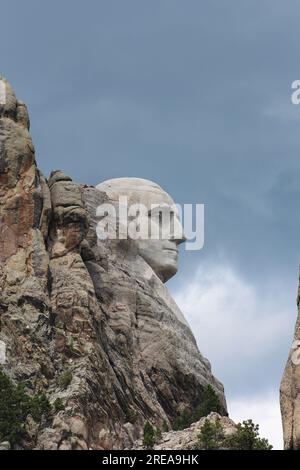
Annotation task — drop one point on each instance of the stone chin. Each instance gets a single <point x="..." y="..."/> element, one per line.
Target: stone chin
<point x="161" y="255"/>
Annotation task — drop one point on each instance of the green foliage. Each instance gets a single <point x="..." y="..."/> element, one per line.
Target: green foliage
<point x="65" y="379"/>
<point x="40" y="407"/>
<point x="211" y="436"/>
<point x="131" y="416"/>
<point x="165" y="427"/>
<point x="158" y="434"/>
<point x="58" y="405"/>
<point x="149" y="435"/>
<point x="247" y="438"/>
<point x="183" y="421"/>
<point x="210" y="402"/>
<point x="15" y="406"/>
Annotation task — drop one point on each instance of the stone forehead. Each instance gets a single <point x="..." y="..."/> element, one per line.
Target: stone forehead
<point x="137" y="190"/>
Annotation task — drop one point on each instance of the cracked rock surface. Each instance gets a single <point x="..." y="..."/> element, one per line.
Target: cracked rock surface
<point x="290" y="391"/>
<point x="77" y="322"/>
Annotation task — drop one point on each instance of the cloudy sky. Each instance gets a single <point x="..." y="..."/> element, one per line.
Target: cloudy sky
<point x="195" y="95"/>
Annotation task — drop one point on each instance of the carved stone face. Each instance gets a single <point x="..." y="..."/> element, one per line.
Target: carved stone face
<point x="161" y="253"/>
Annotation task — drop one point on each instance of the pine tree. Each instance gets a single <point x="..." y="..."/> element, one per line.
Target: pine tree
<point x="149" y="435"/>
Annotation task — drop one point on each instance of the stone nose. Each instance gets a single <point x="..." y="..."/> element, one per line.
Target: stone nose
<point x="177" y="234"/>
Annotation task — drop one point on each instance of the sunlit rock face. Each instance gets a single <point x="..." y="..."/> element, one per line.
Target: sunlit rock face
<point x="290" y="391"/>
<point x="24" y="214"/>
<point x="95" y="312"/>
<point x="166" y="365"/>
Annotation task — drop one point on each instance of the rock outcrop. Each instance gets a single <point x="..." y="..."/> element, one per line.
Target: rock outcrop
<point x="290" y="391"/>
<point x="188" y="439"/>
<point x="25" y="210"/>
<point x="78" y="324"/>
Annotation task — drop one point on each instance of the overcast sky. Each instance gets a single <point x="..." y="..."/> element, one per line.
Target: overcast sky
<point x="196" y="96"/>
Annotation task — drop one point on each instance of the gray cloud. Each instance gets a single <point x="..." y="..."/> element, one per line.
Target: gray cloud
<point x="195" y="96"/>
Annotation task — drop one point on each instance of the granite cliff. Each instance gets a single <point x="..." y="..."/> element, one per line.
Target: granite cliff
<point x="79" y="323"/>
<point x="290" y="391"/>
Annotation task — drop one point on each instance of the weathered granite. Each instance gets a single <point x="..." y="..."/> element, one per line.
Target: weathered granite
<point x="147" y="323"/>
<point x="95" y="311"/>
<point x="187" y="438"/>
<point x="290" y="391"/>
<point x="24" y="262"/>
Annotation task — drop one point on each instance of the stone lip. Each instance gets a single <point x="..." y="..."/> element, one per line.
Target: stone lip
<point x="79" y="320"/>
